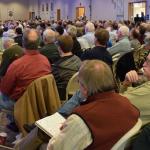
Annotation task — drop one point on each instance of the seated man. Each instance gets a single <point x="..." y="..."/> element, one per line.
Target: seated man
<point x="123" y="45"/>
<point x="99" y="51"/>
<point x="65" y="67"/>
<point x="97" y="88"/>
<point x="139" y="95"/>
<point x="23" y="71"/>
<point x="96" y="85"/>
<point x="50" y="50"/>
<point x="12" y="52"/>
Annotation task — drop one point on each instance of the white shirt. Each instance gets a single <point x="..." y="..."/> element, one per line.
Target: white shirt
<point x="74" y="136"/>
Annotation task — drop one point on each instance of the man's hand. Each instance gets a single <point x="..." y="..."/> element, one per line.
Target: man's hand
<point x="131" y="76"/>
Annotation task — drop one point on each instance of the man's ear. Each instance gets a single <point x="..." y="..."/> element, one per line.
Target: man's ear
<point x="85" y="92"/>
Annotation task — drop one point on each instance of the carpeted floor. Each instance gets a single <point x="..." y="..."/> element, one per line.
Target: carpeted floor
<point x="4" y="121"/>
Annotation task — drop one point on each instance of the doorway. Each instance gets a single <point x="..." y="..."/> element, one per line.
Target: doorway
<point x="58" y="14"/>
<point x="80" y="12"/>
<point x="136" y="8"/>
<point x="31" y="15"/>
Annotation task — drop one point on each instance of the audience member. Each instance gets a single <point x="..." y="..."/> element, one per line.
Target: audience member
<point x="23" y="71"/>
<point x="99" y="51"/>
<point x="72" y="31"/>
<point x="18" y="37"/>
<point x="89" y="33"/>
<point x="49" y="49"/>
<point x="139" y="95"/>
<point x="141" y="54"/>
<point x="66" y="66"/>
<point x="11" y="53"/>
<point x="134" y="36"/>
<point x="123" y="45"/>
<point x="97" y="85"/>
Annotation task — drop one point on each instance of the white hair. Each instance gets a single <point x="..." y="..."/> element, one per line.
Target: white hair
<point x="89" y="27"/>
<point x="49" y="36"/>
<point x="124" y="30"/>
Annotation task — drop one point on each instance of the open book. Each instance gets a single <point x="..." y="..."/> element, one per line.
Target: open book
<point x="51" y="124"/>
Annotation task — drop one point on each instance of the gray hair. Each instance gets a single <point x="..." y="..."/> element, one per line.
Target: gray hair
<point x="124" y="30"/>
<point x="49" y="36"/>
<point x="96" y="76"/>
<point x="72" y="30"/>
<point x="89" y="27"/>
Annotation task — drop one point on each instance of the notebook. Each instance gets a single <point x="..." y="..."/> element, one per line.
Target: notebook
<point x="51" y="124"/>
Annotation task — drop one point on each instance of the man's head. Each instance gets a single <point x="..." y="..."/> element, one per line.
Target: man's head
<point x="146" y="67"/>
<point x="89" y="27"/>
<point x="72" y="30"/>
<point x="95" y="76"/>
<point x="31" y="39"/>
<point x="123" y="32"/>
<point x="101" y="37"/>
<point x="8" y="42"/>
<point x="65" y="43"/>
<point x="49" y="36"/>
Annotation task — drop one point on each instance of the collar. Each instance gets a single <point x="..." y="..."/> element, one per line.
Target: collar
<point x="31" y="52"/>
<point x="99" y="96"/>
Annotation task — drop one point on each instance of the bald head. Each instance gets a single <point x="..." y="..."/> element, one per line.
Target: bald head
<point x="31" y="39"/>
<point x="96" y="76"/>
<point x="49" y="36"/>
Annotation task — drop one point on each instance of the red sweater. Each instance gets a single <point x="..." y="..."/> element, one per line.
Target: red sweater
<point x="109" y="116"/>
<point x="22" y="72"/>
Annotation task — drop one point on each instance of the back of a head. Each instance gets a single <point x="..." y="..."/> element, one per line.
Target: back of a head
<point x="31" y="39"/>
<point x="72" y="30"/>
<point x="102" y="36"/>
<point x="89" y="27"/>
<point x="7" y="42"/>
<point x="135" y="33"/>
<point x="18" y="30"/>
<point x="49" y="36"/>
<point x="124" y="30"/>
<point x="96" y="76"/>
<point x="60" y="30"/>
<point x="66" y="43"/>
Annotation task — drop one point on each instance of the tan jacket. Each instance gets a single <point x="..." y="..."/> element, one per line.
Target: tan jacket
<point x="39" y="100"/>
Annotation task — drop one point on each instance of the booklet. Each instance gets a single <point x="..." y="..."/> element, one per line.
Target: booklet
<point x="51" y="124"/>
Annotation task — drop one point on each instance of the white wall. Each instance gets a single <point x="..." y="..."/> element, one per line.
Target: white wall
<point x="72" y="4"/>
<point x="101" y="9"/>
<point x="18" y="7"/>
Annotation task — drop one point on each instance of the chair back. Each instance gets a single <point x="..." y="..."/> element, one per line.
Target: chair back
<point x="40" y="99"/>
<point x="124" y="65"/>
<point x="125" y="140"/>
<point x="72" y="86"/>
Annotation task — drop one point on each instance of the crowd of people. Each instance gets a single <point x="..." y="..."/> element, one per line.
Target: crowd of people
<point x="107" y="95"/>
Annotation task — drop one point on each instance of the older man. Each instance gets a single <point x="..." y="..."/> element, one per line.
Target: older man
<point x="12" y="52"/>
<point x="23" y="71"/>
<point x="97" y="86"/>
<point x="50" y="50"/>
<point x="140" y="95"/>
<point x="123" y="45"/>
<point x="87" y="40"/>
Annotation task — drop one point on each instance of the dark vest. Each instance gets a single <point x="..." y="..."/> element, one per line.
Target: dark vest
<point x="108" y="116"/>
